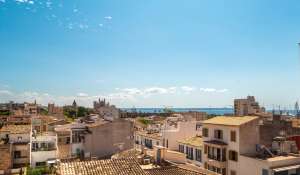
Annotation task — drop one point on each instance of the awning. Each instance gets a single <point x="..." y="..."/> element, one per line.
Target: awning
<point x="286" y="168"/>
<point x="51" y="161"/>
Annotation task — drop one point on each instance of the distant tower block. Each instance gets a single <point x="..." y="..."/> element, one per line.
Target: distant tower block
<point x="297" y="109"/>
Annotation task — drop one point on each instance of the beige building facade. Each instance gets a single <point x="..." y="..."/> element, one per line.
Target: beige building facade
<point x="232" y="147"/>
<point x="247" y="106"/>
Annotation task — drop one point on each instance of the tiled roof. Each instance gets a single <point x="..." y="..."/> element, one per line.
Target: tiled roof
<point x="16" y="129"/>
<point x="132" y="153"/>
<point x="192" y="141"/>
<point x="229" y="121"/>
<point x="127" y="166"/>
<point x="172" y="170"/>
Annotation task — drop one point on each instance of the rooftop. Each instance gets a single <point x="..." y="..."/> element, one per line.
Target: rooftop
<point x="132" y="153"/>
<point x="69" y="127"/>
<point x="155" y="135"/>
<point x="230" y="121"/>
<point x="16" y="129"/>
<point x="172" y="170"/>
<point x="192" y="141"/>
<point x="282" y="158"/>
<point x="102" y="167"/>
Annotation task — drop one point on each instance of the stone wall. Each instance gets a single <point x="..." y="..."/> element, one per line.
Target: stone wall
<point x="110" y="138"/>
<point x="5" y="158"/>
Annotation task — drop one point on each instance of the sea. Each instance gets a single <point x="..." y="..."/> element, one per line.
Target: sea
<point x="210" y="111"/>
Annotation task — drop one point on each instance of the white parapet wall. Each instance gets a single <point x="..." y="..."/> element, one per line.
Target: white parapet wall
<point x="42" y="156"/>
<point x="176" y="157"/>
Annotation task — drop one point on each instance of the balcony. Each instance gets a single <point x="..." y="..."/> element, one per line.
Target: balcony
<point x="43" y="149"/>
<point x="217" y="163"/>
<point x="217" y="158"/>
<point x="216" y="143"/>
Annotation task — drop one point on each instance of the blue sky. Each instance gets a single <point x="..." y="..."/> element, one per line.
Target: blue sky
<point x="142" y="53"/>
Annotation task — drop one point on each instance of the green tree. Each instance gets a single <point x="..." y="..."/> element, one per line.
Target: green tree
<point x="82" y="111"/>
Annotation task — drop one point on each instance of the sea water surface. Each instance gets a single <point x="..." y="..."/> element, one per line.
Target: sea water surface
<point x="210" y="111"/>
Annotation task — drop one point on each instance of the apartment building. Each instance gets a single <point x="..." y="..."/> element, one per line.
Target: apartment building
<point x="248" y="106"/>
<point x="147" y="139"/>
<point x="178" y="127"/>
<point x="71" y="140"/>
<point x="232" y="147"/>
<point x="166" y="133"/>
<point x="31" y="108"/>
<point x="43" y="149"/>
<point x="225" y="138"/>
<point x="94" y="137"/>
<point x="192" y="147"/>
<point x="17" y="139"/>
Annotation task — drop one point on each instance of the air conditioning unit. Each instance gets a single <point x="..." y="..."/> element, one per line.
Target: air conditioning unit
<point x="146" y="161"/>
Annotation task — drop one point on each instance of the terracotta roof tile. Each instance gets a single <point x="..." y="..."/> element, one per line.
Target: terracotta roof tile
<point x="192" y="141"/>
<point x="229" y="121"/>
<point x="172" y="170"/>
<point x="16" y="129"/>
<point x="126" y="166"/>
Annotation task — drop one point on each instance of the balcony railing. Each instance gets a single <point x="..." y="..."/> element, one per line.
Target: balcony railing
<point x="43" y="149"/>
<point x="217" y="158"/>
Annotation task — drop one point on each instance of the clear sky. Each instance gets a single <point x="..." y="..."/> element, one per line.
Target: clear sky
<point x="150" y="53"/>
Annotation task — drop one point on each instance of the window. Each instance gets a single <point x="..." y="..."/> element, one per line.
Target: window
<point x="224" y="154"/>
<point x="43" y="145"/>
<point x="265" y="172"/>
<point x="215" y="169"/>
<point x="223" y="171"/>
<point x="40" y="164"/>
<point x="181" y="148"/>
<point x="37" y="128"/>
<point x="157" y="143"/>
<point x="198" y="127"/>
<point x="205" y="132"/>
<point x="233" y="136"/>
<point x="198" y="155"/>
<point x="17" y="154"/>
<point x="68" y="140"/>
<point x="232" y="172"/>
<point x="218" y="134"/>
<point x="167" y="143"/>
<point x="148" y="143"/>
<point x="35" y="146"/>
<point x="233" y="155"/>
<point x="205" y="149"/>
<point x="190" y="153"/>
<point x="44" y="128"/>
